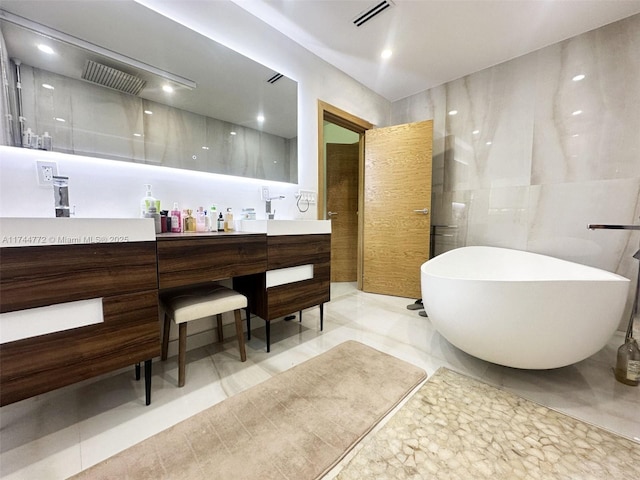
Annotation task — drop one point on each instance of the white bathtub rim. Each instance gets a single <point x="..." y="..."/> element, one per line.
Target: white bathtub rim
<point x="598" y="273"/>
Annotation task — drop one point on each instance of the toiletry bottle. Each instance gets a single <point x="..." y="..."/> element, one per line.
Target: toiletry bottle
<point x="26" y="138"/>
<point x="47" y="141"/>
<point x="176" y="219"/>
<point x="200" y="219"/>
<point x="189" y="222"/>
<point x="228" y="221"/>
<point x="220" y="222"/>
<point x="213" y="217"/>
<point x="627" y="368"/>
<point x="152" y="212"/>
<point x="143" y="202"/>
<point x="165" y="223"/>
<point x="207" y="222"/>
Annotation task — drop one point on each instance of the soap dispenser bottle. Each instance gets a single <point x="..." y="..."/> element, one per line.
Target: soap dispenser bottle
<point x="146" y="200"/>
<point x="220" y="222"/>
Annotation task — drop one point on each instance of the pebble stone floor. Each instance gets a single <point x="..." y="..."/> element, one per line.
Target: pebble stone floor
<point x="458" y="428"/>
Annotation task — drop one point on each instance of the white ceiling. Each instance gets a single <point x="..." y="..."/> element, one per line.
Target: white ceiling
<point x="434" y="41"/>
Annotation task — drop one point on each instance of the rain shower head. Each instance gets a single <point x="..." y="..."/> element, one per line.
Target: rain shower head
<point x="112" y="78"/>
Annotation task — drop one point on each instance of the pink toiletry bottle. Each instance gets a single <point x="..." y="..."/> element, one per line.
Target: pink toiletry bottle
<point x="176" y="220"/>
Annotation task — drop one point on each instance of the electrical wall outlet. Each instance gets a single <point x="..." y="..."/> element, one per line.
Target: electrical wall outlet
<point x="46" y="171"/>
<point x="265" y="194"/>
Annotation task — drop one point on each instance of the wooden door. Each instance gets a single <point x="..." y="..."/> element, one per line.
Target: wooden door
<point x="397" y="206"/>
<point x="342" y="209"/>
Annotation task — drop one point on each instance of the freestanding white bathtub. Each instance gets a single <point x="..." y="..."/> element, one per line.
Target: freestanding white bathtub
<point x="521" y="309"/>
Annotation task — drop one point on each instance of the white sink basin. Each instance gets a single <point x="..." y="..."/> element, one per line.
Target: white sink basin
<point x="286" y="227"/>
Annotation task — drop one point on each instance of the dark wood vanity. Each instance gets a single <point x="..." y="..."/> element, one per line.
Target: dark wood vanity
<point x="122" y="275"/>
<point x="286" y="251"/>
<point x="128" y="278"/>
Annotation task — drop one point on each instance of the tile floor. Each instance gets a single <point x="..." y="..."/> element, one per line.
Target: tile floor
<point x="56" y="435"/>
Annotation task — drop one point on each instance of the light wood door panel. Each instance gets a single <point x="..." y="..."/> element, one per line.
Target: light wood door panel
<point x="342" y="201"/>
<point x="397" y="182"/>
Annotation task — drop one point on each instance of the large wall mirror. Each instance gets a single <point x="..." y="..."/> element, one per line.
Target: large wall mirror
<point x="121" y="81"/>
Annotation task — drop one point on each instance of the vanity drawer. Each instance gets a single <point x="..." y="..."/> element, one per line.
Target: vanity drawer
<point x="129" y="334"/>
<point x="44" y="275"/>
<point x="290" y="250"/>
<point x="192" y="260"/>
<point x="285" y="299"/>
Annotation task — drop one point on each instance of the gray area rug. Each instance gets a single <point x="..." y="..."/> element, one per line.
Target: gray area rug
<point x="455" y="427"/>
<point x="295" y="426"/>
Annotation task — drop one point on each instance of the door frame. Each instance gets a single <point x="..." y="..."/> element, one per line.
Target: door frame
<point x="329" y="113"/>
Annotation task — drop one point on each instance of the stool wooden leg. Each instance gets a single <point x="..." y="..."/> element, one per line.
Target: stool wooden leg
<point x="321" y="316"/>
<point x="248" y="324"/>
<point x="182" y="353"/>
<point x="165" y="336"/>
<point x="240" y="335"/>
<point x="220" y="334"/>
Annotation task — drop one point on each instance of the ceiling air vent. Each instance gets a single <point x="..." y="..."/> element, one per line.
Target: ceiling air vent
<point x="365" y="16"/>
<point x="113" y="78"/>
<point x="275" y="78"/>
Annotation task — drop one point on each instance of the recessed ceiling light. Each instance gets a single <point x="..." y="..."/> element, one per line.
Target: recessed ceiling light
<point x="148" y="112"/>
<point x="59" y="119"/>
<point x="579" y="77"/>
<point x="489" y="143"/>
<point x="476" y="132"/>
<point x="577" y="112"/>
<point x="453" y="112"/>
<point x="205" y="148"/>
<point x="167" y="88"/>
<point x="260" y="118"/>
<point x="47" y="86"/>
<point x="46" y="49"/>
<point x="232" y="133"/>
<point x="137" y="134"/>
<point x="386" y="53"/>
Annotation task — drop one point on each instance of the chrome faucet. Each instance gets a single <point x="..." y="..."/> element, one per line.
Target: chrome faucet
<point x="268" y="206"/>
<point x="634" y="308"/>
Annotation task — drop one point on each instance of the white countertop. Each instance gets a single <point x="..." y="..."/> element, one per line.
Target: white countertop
<point x="29" y="232"/>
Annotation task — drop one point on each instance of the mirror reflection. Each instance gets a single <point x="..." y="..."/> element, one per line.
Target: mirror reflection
<point x="156" y="93"/>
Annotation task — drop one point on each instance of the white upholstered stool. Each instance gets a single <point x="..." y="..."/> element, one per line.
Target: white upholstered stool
<point x="199" y="303"/>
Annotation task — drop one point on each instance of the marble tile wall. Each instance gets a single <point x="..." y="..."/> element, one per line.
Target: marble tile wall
<point x="106" y="123"/>
<point x="532" y="156"/>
